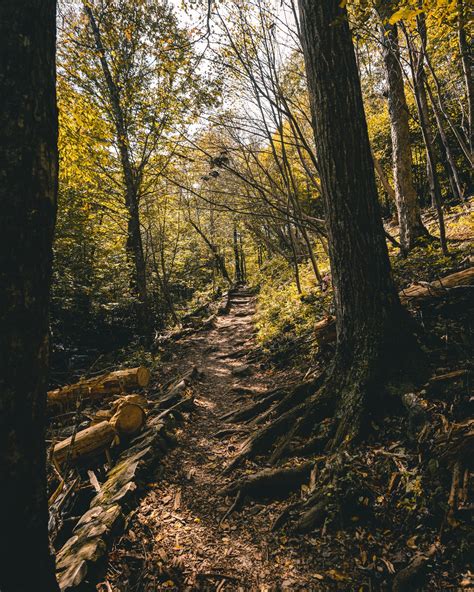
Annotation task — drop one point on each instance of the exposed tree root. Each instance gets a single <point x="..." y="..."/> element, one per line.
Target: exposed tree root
<point x="294" y="397"/>
<point x="412" y="576"/>
<point x="329" y="413"/>
<point x="285" y="441"/>
<point x="284" y="516"/>
<point x="267" y="484"/>
<point x="316" y="443"/>
<point x="254" y="409"/>
<point x="306" y="413"/>
<point x="230" y="432"/>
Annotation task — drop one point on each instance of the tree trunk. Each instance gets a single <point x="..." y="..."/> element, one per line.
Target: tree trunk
<point x="238" y="270"/>
<point x="28" y="189"/>
<point x="466" y="60"/>
<point x="218" y="258"/>
<point x="411" y="226"/>
<point x="383" y="179"/>
<point x="418" y="73"/>
<point x="243" y="263"/>
<point x="450" y="161"/>
<point x="370" y="319"/>
<point x="134" y="236"/>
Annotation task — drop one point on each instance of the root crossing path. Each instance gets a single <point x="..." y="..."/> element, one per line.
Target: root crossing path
<point x="177" y="538"/>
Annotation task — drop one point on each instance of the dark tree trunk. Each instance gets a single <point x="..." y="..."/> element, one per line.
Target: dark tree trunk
<point x="28" y="189"/>
<point x="466" y="60"/>
<point x="134" y="236"/>
<point x="370" y="320"/>
<point x="411" y="226"/>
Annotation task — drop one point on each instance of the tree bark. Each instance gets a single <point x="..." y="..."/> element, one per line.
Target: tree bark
<point x="466" y="61"/>
<point x="238" y="268"/>
<point x="134" y="236"/>
<point x="418" y="73"/>
<point x="28" y="191"/>
<point x="370" y="319"/>
<point x="411" y="226"/>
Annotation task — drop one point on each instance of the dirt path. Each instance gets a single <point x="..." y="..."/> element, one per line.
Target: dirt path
<point x="176" y="539"/>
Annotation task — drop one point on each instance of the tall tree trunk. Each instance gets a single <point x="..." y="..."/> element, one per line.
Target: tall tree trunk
<point x="370" y="320"/>
<point x="238" y="269"/>
<point x="466" y="60"/>
<point x="243" y="263"/>
<point x="28" y="190"/>
<point x="291" y="236"/>
<point x="134" y="236"/>
<point x="418" y="74"/>
<point x="411" y="226"/>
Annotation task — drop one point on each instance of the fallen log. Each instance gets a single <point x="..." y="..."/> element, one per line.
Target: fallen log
<point x="86" y="443"/>
<point x="113" y="383"/>
<point x="127" y="420"/>
<point x="325" y="330"/>
<point x="437" y="288"/>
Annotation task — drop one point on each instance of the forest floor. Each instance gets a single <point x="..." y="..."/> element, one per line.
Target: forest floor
<point x="179" y="537"/>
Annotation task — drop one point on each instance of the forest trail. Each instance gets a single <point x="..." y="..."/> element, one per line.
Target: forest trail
<point x="176" y="539"/>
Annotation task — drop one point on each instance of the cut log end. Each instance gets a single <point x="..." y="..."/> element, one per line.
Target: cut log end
<point x="128" y="419"/>
<point x="143" y="376"/>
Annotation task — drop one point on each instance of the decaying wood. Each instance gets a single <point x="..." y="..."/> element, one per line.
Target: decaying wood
<point x="439" y="383"/>
<point x="457" y="443"/>
<point x="325" y="330"/>
<point x="121" y="381"/>
<point x="420" y="292"/>
<point x="86" y="443"/>
<point x="454" y="494"/>
<point x="412" y="576"/>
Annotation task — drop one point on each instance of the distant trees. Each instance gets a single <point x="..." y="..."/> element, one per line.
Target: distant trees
<point x="135" y="66"/>
<point x="164" y="146"/>
<point x="28" y="187"/>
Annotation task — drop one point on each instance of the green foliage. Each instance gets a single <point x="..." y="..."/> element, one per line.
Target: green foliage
<point x="283" y="314"/>
<point x="426" y="263"/>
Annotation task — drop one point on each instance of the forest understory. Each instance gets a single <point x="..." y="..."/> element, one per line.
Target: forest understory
<point x="397" y="507"/>
<point x="236" y="296"/>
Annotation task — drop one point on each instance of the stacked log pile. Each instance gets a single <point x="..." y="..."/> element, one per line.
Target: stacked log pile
<point x="125" y="417"/>
<point x="79" y="560"/>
